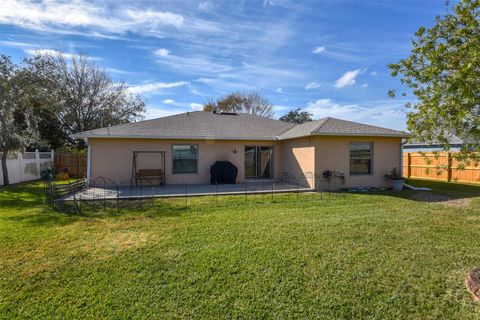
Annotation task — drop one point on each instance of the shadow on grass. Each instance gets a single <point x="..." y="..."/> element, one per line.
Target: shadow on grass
<point x="44" y="218"/>
<point x="22" y="195"/>
<point x="24" y="203"/>
<point x="442" y="192"/>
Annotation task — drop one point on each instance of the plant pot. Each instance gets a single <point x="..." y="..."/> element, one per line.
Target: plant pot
<point x="397" y="185"/>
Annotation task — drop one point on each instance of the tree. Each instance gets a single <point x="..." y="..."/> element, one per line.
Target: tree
<point x="242" y="102"/>
<point x="84" y="97"/>
<point x="443" y="71"/>
<point x="297" y="116"/>
<point x="17" y="121"/>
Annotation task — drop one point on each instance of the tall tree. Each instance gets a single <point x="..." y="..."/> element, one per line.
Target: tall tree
<point x="242" y="102"/>
<point x="297" y="116"/>
<point x="84" y="95"/>
<point x="443" y="71"/>
<point x="17" y="121"/>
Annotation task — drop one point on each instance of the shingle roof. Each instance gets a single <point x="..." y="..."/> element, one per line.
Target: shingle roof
<point x="452" y="140"/>
<point x="331" y="126"/>
<point x="196" y="125"/>
<point x="208" y="125"/>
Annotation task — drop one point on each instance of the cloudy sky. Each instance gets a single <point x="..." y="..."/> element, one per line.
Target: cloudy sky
<point x="326" y="57"/>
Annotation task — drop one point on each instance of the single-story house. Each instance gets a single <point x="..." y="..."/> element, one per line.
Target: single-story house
<point x="261" y="148"/>
<point x="415" y="145"/>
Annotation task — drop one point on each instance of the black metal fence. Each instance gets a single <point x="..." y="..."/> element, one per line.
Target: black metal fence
<point x="104" y="194"/>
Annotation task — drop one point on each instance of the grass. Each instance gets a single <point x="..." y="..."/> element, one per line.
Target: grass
<point x="367" y="256"/>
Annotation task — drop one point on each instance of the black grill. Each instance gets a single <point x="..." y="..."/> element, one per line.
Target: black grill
<point x="223" y="172"/>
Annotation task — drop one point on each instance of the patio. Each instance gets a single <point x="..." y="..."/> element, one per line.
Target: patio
<point x="106" y="192"/>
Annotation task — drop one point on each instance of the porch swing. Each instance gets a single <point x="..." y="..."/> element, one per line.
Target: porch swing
<point x="149" y="174"/>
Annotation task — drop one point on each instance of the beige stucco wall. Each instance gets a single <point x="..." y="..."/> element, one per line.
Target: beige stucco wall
<point x="333" y="153"/>
<point x="298" y="159"/>
<point x="113" y="158"/>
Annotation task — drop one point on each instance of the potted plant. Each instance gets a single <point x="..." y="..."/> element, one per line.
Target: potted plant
<point x="397" y="179"/>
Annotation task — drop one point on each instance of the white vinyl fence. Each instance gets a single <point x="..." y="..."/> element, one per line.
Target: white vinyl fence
<point x="26" y="166"/>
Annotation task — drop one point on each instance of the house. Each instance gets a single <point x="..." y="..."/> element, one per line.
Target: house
<point x="415" y="145"/>
<point x="184" y="147"/>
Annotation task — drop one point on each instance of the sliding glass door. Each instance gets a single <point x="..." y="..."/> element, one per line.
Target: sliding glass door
<point x="258" y="162"/>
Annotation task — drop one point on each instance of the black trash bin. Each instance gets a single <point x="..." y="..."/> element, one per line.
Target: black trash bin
<point x="223" y="172"/>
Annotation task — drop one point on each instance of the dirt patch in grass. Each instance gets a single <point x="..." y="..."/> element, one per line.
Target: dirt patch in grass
<point x="442" y="199"/>
<point x="116" y="242"/>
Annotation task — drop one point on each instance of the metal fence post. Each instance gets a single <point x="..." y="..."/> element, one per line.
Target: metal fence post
<point x="186" y="200"/>
<point x="273" y="189"/>
<point x="118" y="197"/>
<point x="245" y="186"/>
<point x="216" y="194"/>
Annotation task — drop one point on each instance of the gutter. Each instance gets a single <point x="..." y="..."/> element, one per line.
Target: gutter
<point x="272" y="138"/>
<point x="89" y="159"/>
<point x="404" y="141"/>
<point x="75" y="136"/>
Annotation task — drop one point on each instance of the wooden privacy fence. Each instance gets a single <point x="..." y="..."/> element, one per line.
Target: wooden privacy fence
<point x="75" y="164"/>
<point x="439" y="166"/>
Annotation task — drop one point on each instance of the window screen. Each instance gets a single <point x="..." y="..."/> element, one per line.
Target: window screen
<point x="361" y="158"/>
<point x="184" y="158"/>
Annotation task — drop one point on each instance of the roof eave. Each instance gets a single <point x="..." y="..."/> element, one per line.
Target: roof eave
<point x="79" y="136"/>
<point x="349" y="135"/>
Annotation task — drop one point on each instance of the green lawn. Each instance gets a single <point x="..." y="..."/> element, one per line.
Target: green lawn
<point x="365" y="256"/>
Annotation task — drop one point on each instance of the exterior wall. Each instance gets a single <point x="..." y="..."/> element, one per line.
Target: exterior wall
<point x="298" y="158"/>
<point x="113" y="158"/>
<point x="333" y="153"/>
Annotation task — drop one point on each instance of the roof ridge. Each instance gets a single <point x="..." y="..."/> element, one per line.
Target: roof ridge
<point x="143" y="121"/>
<point x="322" y="121"/>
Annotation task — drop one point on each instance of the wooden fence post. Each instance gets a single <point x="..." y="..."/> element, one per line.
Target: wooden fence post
<point x="409" y="165"/>
<point x="449" y="166"/>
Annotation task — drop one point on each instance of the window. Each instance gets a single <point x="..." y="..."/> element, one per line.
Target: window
<point x="184" y="158"/>
<point x="361" y="158"/>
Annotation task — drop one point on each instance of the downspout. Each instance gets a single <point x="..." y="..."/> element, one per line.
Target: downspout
<point x="404" y="141"/>
<point x="89" y="160"/>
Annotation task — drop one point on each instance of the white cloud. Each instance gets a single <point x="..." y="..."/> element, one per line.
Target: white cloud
<point x="155" y="86"/>
<point x="51" y="52"/>
<point x="98" y="18"/>
<point x="279" y="90"/>
<point x="16" y="44"/>
<point x="347" y="79"/>
<point x="147" y="16"/>
<point x="364" y="85"/>
<point x="162" y="52"/>
<point x="192" y="105"/>
<point x="207" y="80"/>
<point x="318" y="50"/>
<point x="267" y="3"/>
<point x="168" y="101"/>
<point x="374" y="73"/>
<point x="312" y="85"/>
<point x="379" y="113"/>
<point x="159" y="112"/>
<point x="204" y="6"/>
<point x="195" y="64"/>
<point x="196" y="106"/>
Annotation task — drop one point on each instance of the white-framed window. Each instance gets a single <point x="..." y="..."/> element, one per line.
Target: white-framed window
<point x="361" y="158"/>
<point x="184" y="158"/>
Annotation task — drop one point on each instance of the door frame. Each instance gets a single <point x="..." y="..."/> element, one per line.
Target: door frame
<point x="272" y="164"/>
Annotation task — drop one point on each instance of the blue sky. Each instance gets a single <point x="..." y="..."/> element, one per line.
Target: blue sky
<point x="326" y="57"/>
